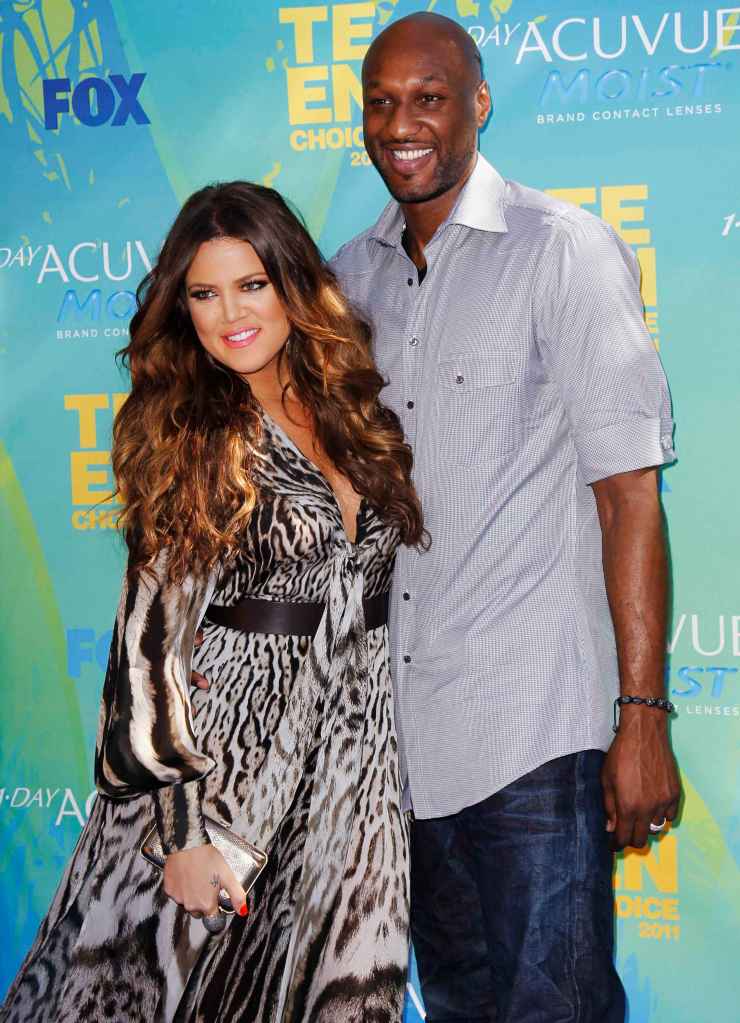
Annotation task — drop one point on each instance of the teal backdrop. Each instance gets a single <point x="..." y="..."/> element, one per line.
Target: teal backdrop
<point x="112" y="112"/>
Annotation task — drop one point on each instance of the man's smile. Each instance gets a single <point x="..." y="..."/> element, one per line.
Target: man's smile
<point x="408" y="161"/>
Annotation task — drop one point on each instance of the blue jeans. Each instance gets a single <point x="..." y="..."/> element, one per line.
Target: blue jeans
<point x="512" y="907"/>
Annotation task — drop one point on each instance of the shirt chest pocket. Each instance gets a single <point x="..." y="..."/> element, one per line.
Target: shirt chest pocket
<point x="478" y="413"/>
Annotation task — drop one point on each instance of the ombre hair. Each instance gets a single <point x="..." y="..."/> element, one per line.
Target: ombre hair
<point x="184" y="441"/>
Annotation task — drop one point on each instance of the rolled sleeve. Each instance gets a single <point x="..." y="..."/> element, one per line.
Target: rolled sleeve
<point x="623" y="447"/>
<point x="590" y="330"/>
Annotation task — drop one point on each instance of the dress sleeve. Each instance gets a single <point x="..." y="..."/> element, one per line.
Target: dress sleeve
<point x="597" y="349"/>
<point x="146" y="742"/>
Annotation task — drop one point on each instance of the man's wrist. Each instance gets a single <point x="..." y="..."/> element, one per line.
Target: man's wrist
<point x="654" y="710"/>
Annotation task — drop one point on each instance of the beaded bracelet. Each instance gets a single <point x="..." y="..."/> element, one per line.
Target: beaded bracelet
<point x="648" y="701"/>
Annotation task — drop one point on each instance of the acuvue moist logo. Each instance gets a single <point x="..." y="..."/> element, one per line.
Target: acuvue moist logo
<point x="94" y="101"/>
<point x="96" y="263"/>
<point x="58" y="803"/>
<point x="96" y="281"/>
<point x="670" y="64"/>
<point x="706" y="683"/>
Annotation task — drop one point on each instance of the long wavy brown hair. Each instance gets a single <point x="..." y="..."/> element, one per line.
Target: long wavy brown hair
<point x="185" y="439"/>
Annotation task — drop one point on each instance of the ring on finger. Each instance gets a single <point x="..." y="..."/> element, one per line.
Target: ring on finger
<point x="655" y="828"/>
<point x="214" y="924"/>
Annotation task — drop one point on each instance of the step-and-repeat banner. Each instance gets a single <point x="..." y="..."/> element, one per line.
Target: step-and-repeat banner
<point x="112" y="112"/>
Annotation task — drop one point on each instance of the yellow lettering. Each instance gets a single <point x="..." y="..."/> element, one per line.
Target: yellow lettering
<point x="651" y="322"/>
<point x="84" y="477"/>
<point x="94" y="518"/>
<point x="298" y="139"/>
<point x="663" y="871"/>
<point x="345" y="30"/>
<point x="651" y="908"/>
<point x="648" y="282"/>
<point x="102" y="519"/>
<point x="346" y="86"/>
<point x="575" y="196"/>
<point x="614" y="213"/>
<point x="654" y="908"/>
<point x="624" y="906"/>
<point x="613" y="208"/>
<point x="86" y="405"/>
<point x="303" y="20"/>
<point x="316" y="138"/>
<point x="79" y="520"/>
<point x="301" y="93"/>
<point x="118" y="400"/>
<point x="319" y="138"/>
<point x="670" y="909"/>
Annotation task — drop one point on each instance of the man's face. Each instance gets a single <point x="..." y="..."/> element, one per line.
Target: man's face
<point x="422" y="109"/>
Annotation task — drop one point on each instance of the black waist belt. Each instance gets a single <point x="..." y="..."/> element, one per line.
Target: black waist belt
<point x="288" y="618"/>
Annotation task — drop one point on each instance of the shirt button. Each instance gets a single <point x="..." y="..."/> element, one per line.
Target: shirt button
<point x="459" y="379"/>
<point x="414" y="342"/>
<point x="406" y="595"/>
<point x="407" y="659"/>
<point x="409" y="404"/>
<point x="410" y="281"/>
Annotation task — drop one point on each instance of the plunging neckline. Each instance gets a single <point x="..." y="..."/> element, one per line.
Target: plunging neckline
<point x="322" y="476"/>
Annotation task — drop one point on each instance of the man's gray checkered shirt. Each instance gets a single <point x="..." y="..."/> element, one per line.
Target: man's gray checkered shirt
<point x="522" y="372"/>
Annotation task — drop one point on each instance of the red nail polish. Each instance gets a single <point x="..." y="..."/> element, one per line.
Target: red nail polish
<point x="244" y="910"/>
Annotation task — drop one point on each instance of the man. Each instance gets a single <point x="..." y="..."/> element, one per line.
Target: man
<point x="509" y="326"/>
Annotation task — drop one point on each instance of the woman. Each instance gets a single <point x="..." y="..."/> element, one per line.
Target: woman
<point x="264" y="492"/>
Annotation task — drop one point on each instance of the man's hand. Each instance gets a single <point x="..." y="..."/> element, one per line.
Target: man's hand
<point x="640" y="777"/>
<point x="196" y="679"/>
<point x="199" y="681"/>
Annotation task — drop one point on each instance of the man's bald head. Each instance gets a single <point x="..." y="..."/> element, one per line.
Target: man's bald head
<point x="425" y="31"/>
<point x="424" y="102"/>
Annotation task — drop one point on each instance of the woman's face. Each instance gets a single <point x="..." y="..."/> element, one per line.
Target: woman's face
<point x="235" y="310"/>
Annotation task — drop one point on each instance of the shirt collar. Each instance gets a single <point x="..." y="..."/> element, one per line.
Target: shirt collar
<point x="480" y="206"/>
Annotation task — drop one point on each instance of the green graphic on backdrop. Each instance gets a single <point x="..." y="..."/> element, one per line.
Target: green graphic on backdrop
<point x="631" y="112"/>
<point x="40" y="725"/>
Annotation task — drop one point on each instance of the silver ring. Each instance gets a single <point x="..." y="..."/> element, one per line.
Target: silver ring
<point x="655" y="828"/>
<point x="214" y="924"/>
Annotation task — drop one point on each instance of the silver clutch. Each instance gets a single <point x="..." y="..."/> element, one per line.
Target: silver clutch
<point x="245" y="859"/>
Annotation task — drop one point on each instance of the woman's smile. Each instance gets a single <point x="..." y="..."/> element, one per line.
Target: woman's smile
<point x="241" y="338"/>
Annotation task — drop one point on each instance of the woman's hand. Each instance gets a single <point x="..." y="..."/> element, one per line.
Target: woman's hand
<point x="194" y="877"/>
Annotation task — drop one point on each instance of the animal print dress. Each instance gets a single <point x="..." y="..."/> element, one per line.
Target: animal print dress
<point x="294" y="746"/>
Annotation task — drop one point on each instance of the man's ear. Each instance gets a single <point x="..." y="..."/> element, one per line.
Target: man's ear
<point x="483" y="103"/>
